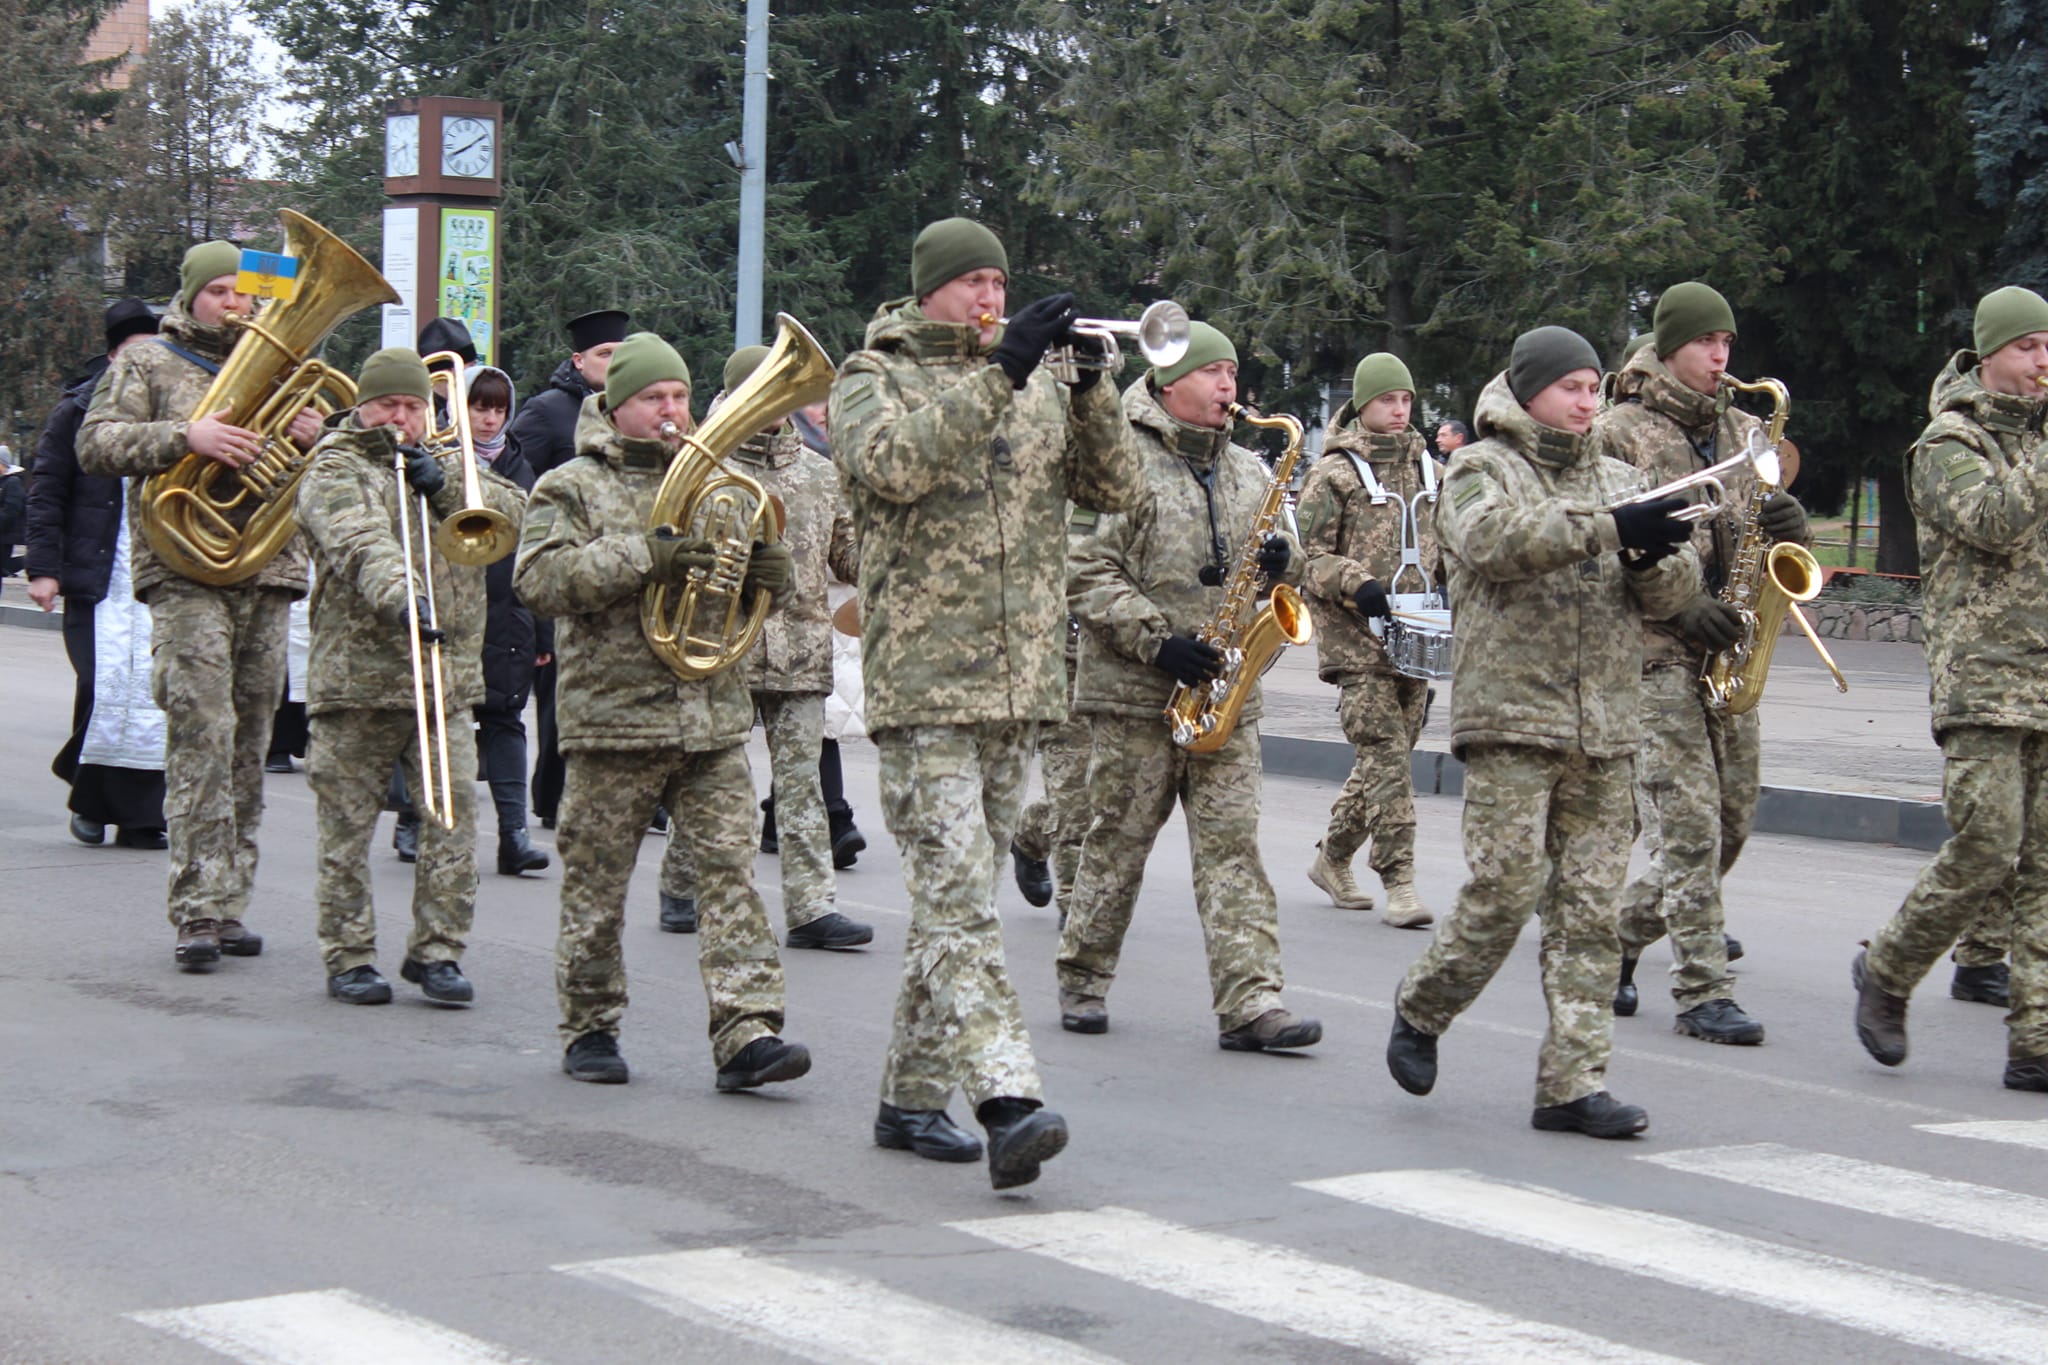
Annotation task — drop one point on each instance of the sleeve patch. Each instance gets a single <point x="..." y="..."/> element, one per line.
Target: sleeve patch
<point x="1963" y="468"/>
<point x="1083" y="521"/>
<point x="339" y="500"/>
<point x="857" y="399"/>
<point x="539" y="521"/>
<point x="1468" y="492"/>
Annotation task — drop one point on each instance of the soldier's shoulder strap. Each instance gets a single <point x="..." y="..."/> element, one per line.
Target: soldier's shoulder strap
<point x="210" y="366"/>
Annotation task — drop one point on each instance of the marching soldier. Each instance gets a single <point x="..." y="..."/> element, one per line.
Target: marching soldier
<point x="1544" y="715"/>
<point x="1140" y="583"/>
<point x="960" y="455"/>
<point x="640" y="734"/>
<point x="219" y="651"/>
<point x="1353" y="506"/>
<point x="1697" y="774"/>
<point x="788" y="672"/>
<point x="1979" y="488"/>
<point x="359" y="686"/>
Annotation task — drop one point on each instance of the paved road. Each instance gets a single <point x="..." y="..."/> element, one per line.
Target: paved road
<point x="231" y="1165"/>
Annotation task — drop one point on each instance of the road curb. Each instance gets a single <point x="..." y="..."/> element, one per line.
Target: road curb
<point x="31" y="617"/>
<point x="1806" y="811"/>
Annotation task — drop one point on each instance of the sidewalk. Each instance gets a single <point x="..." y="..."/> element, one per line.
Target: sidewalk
<point x="1860" y="765"/>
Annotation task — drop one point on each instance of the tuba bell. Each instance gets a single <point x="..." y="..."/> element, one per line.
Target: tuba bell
<point x="708" y="622"/>
<point x="217" y="525"/>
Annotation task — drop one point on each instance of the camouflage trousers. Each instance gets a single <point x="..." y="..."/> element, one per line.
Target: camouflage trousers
<point x="606" y="800"/>
<point x="1549" y="832"/>
<point x="1053" y="826"/>
<point x="950" y="795"/>
<point x="1994" y="791"/>
<point x="1989" y="937"/>
<point x="1382" y="717"/>
<point x="218" y="671"/>
<point x="1136" y="775"/>
<point x="1697" y="778"/>
<point x="348" y="766"/>
<point x="795" y="725"/>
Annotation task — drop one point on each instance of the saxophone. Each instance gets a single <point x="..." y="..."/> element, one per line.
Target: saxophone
<point x="1201" y="718"/>
<point x="1765" y="581"/>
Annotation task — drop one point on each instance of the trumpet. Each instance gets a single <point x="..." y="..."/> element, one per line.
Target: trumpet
<point x="477" y="534"/>
<point x="1161" y="332"/>
<point x="429" y="703"/>
<point x="1713" y="494"/>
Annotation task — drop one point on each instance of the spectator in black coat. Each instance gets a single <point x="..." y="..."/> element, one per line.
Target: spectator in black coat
<point x="74" y="523"/>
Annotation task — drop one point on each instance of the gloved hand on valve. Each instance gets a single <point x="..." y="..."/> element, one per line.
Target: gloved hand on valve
<point x="1029" y="332"/>
<point x="1709" y="622"/>
<point x="771" y="567"/>
<point x="1650" y="529"/>
<point x="1188" y="661"/>
<point x="674" y="557"/>
<point x="1781" y="517"/>
<point x="1273" y="557"/>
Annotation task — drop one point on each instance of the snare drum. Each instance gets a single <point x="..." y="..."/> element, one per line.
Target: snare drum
<point x="1418" y="636"/>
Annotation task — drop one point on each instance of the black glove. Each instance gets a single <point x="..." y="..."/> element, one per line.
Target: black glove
<point x="1649" y="527"/>
<point x="1709" y="622"/>
<point x="772" y="567"/>
<point x="1026" y="336"/>
<point x="1087" y="347"/>
<point x="1273" y="557"/>
<point x="674" y="557"/>
<point x="1187" y="660"/>
<point x="429" y="635"/>
<point x="1781" y="517"/>
<point x="423" y="471"/>
<point x="1371" y="599"/>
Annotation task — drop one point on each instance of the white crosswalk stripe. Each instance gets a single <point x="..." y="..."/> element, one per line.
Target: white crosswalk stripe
<point x="323" y="1327"/>
<point x="1287" y="1289"/>
<point x="2019" y="1132"/>
<point x="1824" y="1288"/>
<point x="821" y="1315"/>
<point x="1954" y="1205"/>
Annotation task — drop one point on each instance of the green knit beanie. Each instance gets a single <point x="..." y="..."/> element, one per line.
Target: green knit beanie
<point x="1634" y="344"/>
<point x="1545" y="355"/>
<point x="950" y="248"/>
<point x="1379" y="373"/>
<point x="1688" y="311"/>
<point x="2005" y="315"/>
<point x="642" y="359"/>
<point x="203" y="264"/>
<point x="1206" y="346"/>
<point x="744" y="362"/>
<point x="391" y="371"/>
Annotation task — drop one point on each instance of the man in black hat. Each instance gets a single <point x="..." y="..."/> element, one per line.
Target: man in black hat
<point x="74" y="521"/>
<point x="545" y="430"/>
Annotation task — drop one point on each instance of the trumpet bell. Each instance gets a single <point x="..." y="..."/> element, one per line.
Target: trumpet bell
<point x="1163" y="333"/>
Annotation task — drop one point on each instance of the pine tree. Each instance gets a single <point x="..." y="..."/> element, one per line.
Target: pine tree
<point x="2009" y="111"/>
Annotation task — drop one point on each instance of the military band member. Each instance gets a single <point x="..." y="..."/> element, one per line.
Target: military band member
<point x="219" y="651"/>
<point x="1141" y="583"/>
<point x="788" y="673"/>
<point x="960" y="454"/>
<point x="1545" y="716"/>
<point x="1352" y="508"/>
<point x="638" y="734"/>
<point x="1979" y="488"/>
<point x="1697" y="773"/>
<point x="359" y="685"/>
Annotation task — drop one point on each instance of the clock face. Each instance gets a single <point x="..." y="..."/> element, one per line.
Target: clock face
<point x="469" y="147"/>
<point x="401" y="146"/>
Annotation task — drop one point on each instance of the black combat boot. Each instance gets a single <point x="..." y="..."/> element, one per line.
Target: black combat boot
<point x="763" y="1062"/>
<point x="360" y="986"/>
<point x="1625" y="994"/>
<point x="405" y="838"/>
<point x="1983" y="985"/>
<point x="832" y="930"/>
<point x="1034" y="877"/>
<point x="441" y="982"/>
<point x="595" y="1058"/>
<point x="1597" y="1115"/>
<point x="517" y="854"/>
<point x="848" y="843"/>
<point x="1880" y="1018"/>
<point x="1720" y="1021"/>
<point x="769" y="843"/>
<point x="931" y="1133"/>
<point x="1022" y="1134"/>
<point x="1411" y="1057"/>
<point x="678" y="914"/>
<point x="2028" y="1073"/>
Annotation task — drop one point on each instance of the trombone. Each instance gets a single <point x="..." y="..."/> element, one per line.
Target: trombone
<point x="438" y="798"/>
<point x="1161" y="332"/>
<point x="475" y="534"/>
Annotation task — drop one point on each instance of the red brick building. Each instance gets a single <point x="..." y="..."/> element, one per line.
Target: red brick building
<point x="124" y="30"/>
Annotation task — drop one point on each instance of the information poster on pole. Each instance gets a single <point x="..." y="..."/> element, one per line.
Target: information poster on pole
<point x="467" y="272"/>
<point x="402" y="269"/>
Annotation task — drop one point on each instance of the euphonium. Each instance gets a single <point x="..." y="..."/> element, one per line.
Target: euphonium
<point x="706" y="623"/>
<point x="475" y="533"/>
<point x="1202" y="717"/>
<point x="217" y="525"/>
<point x="1764" y="581"/>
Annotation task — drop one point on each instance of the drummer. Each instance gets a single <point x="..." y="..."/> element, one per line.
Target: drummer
<point x="1361" y="505"/>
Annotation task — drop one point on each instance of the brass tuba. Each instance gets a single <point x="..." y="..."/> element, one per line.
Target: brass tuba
<point x="707" y="623"/>
<point x="218" y="525"/>
<point x="1765" y="582"/>
<point x="1201" y="718"/>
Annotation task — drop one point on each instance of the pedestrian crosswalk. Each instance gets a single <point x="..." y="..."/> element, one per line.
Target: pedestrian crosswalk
<point x="832" y="1303"/>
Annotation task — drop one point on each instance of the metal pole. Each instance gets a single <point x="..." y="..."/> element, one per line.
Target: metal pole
<point x="746" y="329"/>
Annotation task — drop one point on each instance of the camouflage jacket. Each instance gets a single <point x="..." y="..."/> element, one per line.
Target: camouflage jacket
<point x="1668" y="431"/>
<point x="1350" y="538"/>
<point x="959" y="486"/>
<point x="794" y="653"/>
<point x="348" y="511"/>
<point x="1549" y="621"/>
<point x="1135" y="578"/>
<point x="1978" y="482"/>
<point x="136" y="426"/>
<point x="583" y="560"/>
